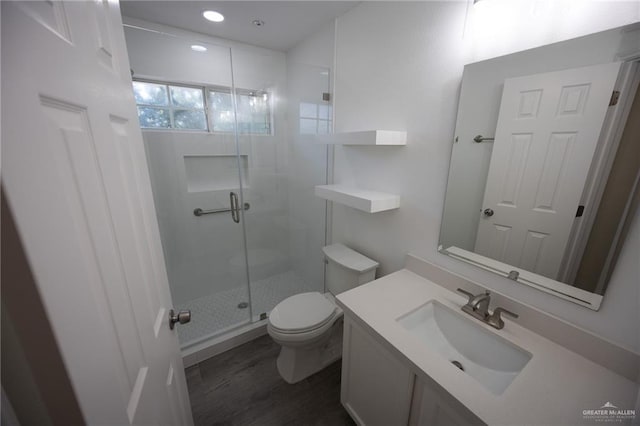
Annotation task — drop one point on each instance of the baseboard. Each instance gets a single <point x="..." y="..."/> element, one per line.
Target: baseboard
<point x="227" y="341"/>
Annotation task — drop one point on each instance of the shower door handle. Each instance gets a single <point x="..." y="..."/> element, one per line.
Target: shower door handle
<point x="235" y="211"/>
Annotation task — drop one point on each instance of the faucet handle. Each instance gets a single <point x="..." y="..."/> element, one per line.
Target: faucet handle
<point x="504" y="311"/>
<point x="466" y="293"/>
<point x="495" y="319"/>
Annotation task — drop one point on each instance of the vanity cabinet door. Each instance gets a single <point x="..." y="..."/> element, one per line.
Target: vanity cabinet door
<point x="431" y="408"/>
<point x="376" y="387"/>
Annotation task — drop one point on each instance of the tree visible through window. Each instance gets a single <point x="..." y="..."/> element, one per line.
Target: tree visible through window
<point x="167" y="106"/>
<point x="254" y="116"/>
<point x="162" y="106"/>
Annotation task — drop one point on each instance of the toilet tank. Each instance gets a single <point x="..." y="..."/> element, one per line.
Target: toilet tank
<point x="347" y="269"/>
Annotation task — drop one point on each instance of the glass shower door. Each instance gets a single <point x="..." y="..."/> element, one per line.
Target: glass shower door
<point x="285" y="227"/>
<point x="233" y="172"/>
<point x="194" y="169"/>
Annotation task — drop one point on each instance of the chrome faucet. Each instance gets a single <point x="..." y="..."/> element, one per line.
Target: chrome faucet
<point x="478" y="304"/>
<point x="478" y="307"/>
<point x="495" y="320"/>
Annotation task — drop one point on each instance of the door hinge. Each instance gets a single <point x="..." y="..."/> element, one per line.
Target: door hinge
<point x="614" y="98"/>
<point x="580" y="211"/>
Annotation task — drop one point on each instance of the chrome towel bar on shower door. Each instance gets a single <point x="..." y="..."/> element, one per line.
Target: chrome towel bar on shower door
<point x="234" y="209"/>
<point x="202" y="212"/>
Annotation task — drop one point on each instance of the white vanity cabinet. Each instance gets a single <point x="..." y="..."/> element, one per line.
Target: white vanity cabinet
<point x="376" y="386"/>
<point x="379" y="389"/>
<point x="431" y="408"/>
<point x="393" y="376"/>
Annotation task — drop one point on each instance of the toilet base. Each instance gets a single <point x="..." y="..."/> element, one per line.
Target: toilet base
<point x="297" y="363"/>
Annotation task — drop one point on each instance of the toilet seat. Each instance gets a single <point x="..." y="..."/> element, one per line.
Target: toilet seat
<point x="302" y="313"/>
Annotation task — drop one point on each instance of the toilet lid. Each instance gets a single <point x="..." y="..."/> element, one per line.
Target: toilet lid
<point x="302" y="312"/>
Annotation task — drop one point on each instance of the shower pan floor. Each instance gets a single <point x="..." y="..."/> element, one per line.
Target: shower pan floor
<point x="218" y="313"/>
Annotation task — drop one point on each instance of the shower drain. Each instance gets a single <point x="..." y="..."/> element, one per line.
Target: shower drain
<point x="458" y="364"/>
<point x="243" y="305"/>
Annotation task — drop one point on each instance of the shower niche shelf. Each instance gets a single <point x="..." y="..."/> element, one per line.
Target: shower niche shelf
<point x="367" y="137"/>
<point x="367" y="201"/>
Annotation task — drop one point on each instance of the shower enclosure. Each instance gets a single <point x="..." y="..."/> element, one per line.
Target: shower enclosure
<point x="232" y="174"/>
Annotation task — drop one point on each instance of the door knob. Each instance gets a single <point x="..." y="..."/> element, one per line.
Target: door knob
<point x="182" y="317"/>
<point x="488" y="212"/>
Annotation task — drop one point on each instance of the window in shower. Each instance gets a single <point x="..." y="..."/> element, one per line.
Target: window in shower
<point x="180" y="107"/>
<point x="254" y="111"/>
<point x="165" y="106"/>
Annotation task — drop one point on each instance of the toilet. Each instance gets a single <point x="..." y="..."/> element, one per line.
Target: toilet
<point x="308" y="326"/>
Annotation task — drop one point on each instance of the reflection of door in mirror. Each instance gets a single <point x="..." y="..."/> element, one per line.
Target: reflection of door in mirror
<point x="547" y="132"/>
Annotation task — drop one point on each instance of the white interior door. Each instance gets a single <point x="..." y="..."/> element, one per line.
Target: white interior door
<point x="77" y="183"/>
<point x="547" y="132"/>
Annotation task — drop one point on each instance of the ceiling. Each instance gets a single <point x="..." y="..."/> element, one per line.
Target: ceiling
<point x="285" y="22"/>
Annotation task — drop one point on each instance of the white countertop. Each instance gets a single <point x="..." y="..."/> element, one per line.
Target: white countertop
<point x="554" y="387"/>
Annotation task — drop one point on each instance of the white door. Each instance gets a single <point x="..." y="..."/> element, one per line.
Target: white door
<point x="547" y="132"/>
<point x="76" y="180"/>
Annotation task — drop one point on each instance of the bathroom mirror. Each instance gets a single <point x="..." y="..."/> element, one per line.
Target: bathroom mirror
<point x="543" y="180"/>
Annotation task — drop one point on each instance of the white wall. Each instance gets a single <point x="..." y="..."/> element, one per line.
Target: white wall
<point x="165" y="53"/>
<point x="399" y="66"/>
<point x="499" y="27"/>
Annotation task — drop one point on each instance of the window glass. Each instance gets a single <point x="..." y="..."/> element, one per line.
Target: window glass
<point x="150" y="93"/>
<point x="221" y="110"/>
<point x="183" y="109"/>
<point x="253" y="113"/>
<point x="154" y="117"/>
<point x="187" y="97"/>
<point x="189" y="119"/>
<point x="166" y="106"/>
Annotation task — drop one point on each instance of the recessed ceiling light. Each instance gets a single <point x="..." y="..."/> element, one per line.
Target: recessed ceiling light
<point x="198" y="48"/>
<point x="213" y="16"/>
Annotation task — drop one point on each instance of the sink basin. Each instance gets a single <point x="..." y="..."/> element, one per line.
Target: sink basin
<point x="491" y="360"/>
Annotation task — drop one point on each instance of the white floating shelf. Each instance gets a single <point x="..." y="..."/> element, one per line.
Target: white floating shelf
<point x="368" y="201"/>
<point x="367" y="137"/>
